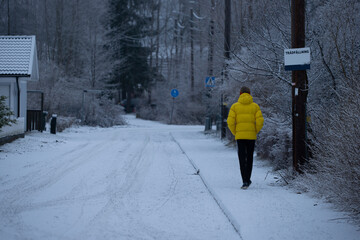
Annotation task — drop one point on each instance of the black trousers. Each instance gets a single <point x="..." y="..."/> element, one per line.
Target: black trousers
<point x="246" y="154"/>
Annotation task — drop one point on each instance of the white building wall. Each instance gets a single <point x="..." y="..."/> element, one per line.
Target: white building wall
<point x="9" y="84"/>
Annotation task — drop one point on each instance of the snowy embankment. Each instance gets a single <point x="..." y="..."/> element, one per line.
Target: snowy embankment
<point x="13" y="129"/>
<point x="138" y="182"/>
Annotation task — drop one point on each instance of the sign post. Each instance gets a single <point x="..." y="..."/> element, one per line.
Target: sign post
<point x="174" y="93"/>
<point x="297" y="59"/>
<point x="210" y="82"/>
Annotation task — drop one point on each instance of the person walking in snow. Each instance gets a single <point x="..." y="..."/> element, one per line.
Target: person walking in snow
<point x="245" y="121"/>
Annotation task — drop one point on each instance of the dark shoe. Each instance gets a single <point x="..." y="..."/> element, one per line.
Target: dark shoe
<point x="245" y="186"/>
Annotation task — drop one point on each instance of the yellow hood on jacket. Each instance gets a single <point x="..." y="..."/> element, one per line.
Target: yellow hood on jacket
<point x="245" y="119"/>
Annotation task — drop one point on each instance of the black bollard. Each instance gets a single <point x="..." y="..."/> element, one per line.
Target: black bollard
<point x="53" y="124"/>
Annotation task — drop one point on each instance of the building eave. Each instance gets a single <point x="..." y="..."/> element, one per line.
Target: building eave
<point x="15" y="75"/>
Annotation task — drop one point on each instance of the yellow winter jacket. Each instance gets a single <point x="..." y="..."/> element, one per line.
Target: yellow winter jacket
<point x="245" y="119"/>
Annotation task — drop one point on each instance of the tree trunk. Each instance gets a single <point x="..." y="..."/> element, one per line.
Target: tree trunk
<point x="58" y="35"/>
<point x="192" y="49"/>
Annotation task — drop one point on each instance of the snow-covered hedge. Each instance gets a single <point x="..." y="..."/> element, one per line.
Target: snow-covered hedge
<point x="13" y="129"/>
<point x="184" y="112"/>
<point x="336" y="152"/>
<point x="274" y="143"/>
<point x="65" y="122"/>
<point x="103" y="112"/>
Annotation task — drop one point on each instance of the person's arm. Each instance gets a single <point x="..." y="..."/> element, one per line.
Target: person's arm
<point x="231" y="120"/>
<point x="259" y="120"/>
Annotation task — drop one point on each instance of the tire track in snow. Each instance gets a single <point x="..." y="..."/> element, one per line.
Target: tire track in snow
<point x="222" y="207"/>
<point x="170" y="169"/>
<point x="121" y="181"/>
<point x="126" y="184"/>
<point x="13" y="199"/>
<point x="37" y="181"/>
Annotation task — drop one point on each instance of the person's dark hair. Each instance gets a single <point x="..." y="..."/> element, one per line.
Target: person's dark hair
<point x="245" y="90"/>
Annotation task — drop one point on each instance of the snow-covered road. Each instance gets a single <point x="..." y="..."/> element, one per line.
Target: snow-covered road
<point x="139" y="182"/>
<point x="129" y="182"/>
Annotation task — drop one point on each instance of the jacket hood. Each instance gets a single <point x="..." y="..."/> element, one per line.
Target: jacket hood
<point x="245" y="98"/>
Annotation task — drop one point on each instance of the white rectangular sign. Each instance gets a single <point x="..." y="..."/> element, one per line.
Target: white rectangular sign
<point x="297" y="59"/>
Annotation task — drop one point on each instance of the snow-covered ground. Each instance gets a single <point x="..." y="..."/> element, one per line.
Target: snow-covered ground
<point x="140" y="181"/>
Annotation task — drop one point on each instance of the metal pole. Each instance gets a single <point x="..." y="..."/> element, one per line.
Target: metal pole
<point x="299" y="86"/>
<point x="83" y="106"/>
<point x="172" y="110"/>
<point x="224" y="115"/>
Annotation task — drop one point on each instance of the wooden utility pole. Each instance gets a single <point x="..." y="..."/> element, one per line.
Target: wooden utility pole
<point x="299" y="86"/>
<point x="211" y="40"/>
<point x="227" y="29"/>
<point x="227" y="37"/>
<point x="210" y="70"/>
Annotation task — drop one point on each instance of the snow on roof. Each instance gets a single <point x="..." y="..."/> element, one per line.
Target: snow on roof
<point x="18" y="56"/>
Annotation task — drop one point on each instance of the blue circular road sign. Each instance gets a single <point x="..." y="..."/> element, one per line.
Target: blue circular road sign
<point x="174" y="92"/>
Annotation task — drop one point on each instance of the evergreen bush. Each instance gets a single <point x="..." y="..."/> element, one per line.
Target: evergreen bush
<point x="5" y="113"/>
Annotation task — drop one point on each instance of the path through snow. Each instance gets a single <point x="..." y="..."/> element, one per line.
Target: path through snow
<point x="119" y="183"/>
<point x="137" y="182"/>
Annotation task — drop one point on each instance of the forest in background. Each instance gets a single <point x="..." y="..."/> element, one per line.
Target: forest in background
<point x="94" y="54"/>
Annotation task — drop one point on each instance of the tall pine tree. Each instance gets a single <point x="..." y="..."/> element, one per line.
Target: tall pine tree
<point x="129" y="24"/>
